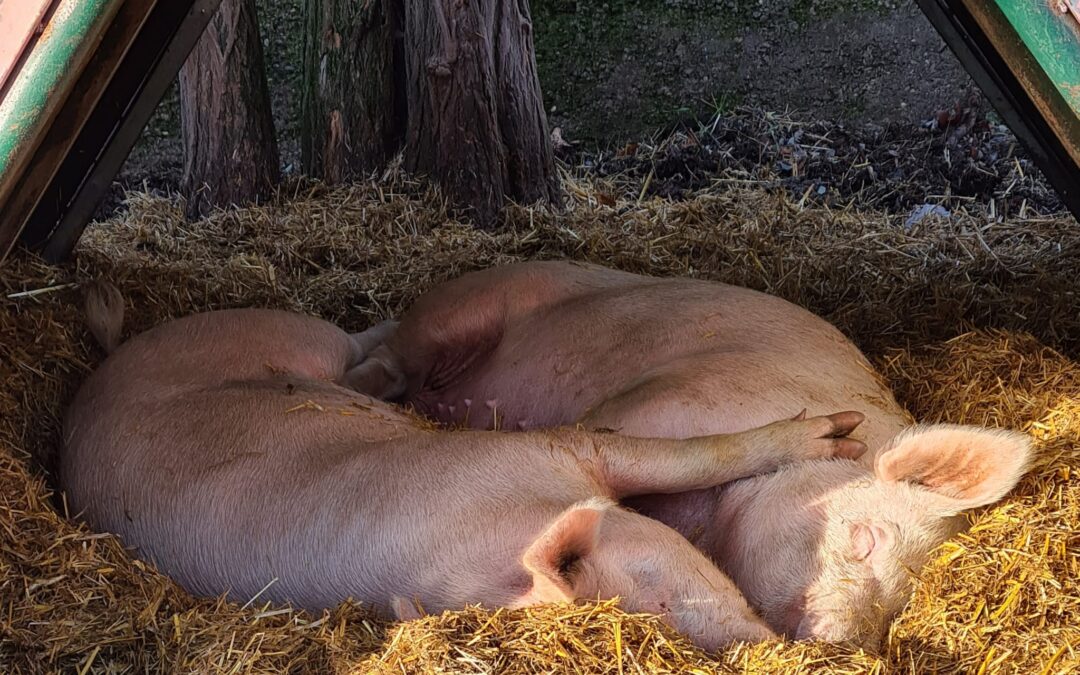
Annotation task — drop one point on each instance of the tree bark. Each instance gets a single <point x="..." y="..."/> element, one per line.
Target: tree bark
<point x="476" y="120"/>
<point x="230" y="152"/>
<point x="353" y="105"/>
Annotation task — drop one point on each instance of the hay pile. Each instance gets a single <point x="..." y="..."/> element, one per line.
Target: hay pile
<point x="1003" y="598"/>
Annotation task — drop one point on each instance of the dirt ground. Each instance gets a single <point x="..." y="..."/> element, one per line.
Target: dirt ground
<point x="853" y="101"/>
<point x="874" y="65"/>
<point x="961" y="157"/>
<point x="892" y="68"/>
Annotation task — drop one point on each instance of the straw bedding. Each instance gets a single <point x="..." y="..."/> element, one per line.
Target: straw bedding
<point x="969" y="321"/>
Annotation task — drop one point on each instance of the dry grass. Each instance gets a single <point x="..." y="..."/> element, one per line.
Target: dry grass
<point x="964" y="317"/>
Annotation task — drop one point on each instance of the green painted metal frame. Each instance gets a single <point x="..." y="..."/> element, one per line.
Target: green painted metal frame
<point x="1028" y="74"/>
<point x="20" y="24"/>
<point x="1052" y="36"/>
<point x="41" y="86"/>
<point x="56" y="144"/>
<point x="142" y="79"/>
<point x="1041" y="45"/>
<point x="71" y="156"/>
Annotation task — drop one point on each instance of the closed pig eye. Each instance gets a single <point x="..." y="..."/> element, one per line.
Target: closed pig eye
<point x="869" y="541"/>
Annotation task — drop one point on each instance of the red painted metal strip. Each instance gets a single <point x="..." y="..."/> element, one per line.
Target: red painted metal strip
<point x="20" y="20"/>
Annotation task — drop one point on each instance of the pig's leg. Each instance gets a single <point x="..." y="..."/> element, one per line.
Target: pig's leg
<point x="373" y="368"/>
<point x="629" y="466"/>
<point x="430" y="348"/>
<point x="368" y="340"/>
<point x="380" y="375"/>
<point x="452" y="329"/>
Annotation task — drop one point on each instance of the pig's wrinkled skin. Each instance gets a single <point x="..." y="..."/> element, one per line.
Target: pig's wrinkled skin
<point x="821" y="549"/>
<point x="223" y="447"/>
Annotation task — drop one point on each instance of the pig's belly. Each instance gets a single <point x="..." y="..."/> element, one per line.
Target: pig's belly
<point x="725" y="391"/>
<point x="658" y="393"/>
<point x="720" y="395"/>
<point x="518" y="398"/>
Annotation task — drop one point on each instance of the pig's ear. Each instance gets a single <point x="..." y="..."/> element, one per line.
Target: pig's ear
<point x="553" y="559"/>
<point x="967" y="466"/>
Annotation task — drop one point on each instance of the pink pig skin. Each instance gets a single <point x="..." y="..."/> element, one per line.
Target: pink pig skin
<point x="223" y="448"/>
<point x="821" y="549"/>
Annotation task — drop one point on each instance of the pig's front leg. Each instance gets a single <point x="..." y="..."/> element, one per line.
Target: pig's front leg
<point x="377" y="370"/>
<point x="368" y="340"/>
<point x="635" y="466"/>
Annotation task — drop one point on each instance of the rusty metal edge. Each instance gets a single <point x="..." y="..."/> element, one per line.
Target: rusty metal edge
<point x="19" y="29"/>
<point x="1028" y="64"/>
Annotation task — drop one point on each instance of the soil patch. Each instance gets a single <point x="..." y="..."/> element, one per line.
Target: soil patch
<point x="959" y="157"/>
<point x="646" y="64"/>
<point x="619" y="71"/>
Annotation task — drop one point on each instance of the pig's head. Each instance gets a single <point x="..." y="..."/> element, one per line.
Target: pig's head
<point x="597" y="550"/>
<point x="828" y="549"/>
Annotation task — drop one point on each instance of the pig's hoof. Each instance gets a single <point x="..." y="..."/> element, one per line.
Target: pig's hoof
<point x="372" y="338"/>
<point x="817" y="437"/>
<point x="830" y="435"/>
<point x="376" y="379"/>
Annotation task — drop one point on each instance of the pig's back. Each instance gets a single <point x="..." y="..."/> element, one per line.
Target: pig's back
<point x="670" y="357"/>
<point x="229" y="458"/>
<point x="167" y="377"/>
<point x="735" y="359"/>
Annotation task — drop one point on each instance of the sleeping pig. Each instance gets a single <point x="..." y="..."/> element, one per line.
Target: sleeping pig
<point x="223" y="447"/>
<point x="822" y="549"/>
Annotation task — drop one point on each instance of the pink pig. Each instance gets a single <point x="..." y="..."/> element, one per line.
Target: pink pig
<point x="821" y="549"/>
<point x="224" y="448"/>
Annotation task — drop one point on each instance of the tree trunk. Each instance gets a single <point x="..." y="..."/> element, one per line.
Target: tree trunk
<point x="476" y="120"/>
<point x="230" y="152"/>
<point x="353" y="106"/>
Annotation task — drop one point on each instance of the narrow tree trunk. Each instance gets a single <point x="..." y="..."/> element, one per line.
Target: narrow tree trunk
<point x="476" y="120"/>
<point x="353" y="106"/>
<point x="230" y="152"/>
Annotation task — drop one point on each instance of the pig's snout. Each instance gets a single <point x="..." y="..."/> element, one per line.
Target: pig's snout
<point x="715" y="625"/>
<point x="837" y="628"/>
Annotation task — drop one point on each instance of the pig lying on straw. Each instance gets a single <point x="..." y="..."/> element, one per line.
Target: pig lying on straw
<point x="824" y="548"/>
<point x="224" y="448"/>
